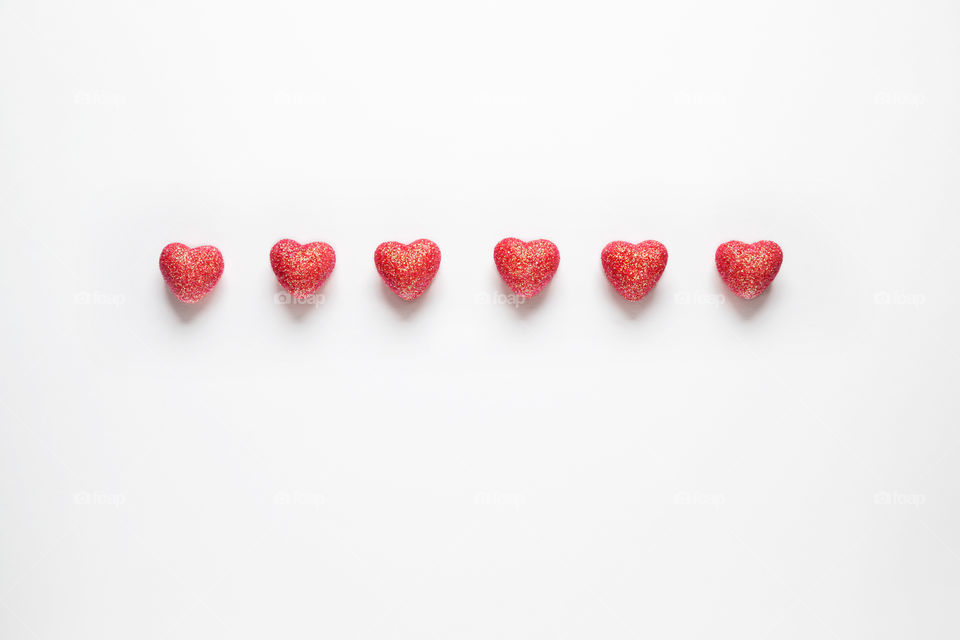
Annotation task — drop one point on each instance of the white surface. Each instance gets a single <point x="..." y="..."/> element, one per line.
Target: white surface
<point x="457" y="468"/>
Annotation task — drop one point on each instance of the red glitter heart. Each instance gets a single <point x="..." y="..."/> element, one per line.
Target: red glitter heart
<point x="408" y="269"/>
<point x="302" y="268"/>
<point x="190" y="273"/>
<point x="748" y="269"/>
<point x="633" y="269"/>
<point x="526" y="267"/>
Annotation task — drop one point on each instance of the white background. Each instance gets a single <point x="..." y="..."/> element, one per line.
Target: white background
<point x="690" y="466"/>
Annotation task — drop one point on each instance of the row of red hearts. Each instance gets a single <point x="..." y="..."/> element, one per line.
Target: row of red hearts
<point x="526" y="267"/>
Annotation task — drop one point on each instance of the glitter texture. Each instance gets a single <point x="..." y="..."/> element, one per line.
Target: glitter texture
<point x="302" y="268"/>
<point x="408" y="269"/>
<point x="190" y="273"/>
<point x="633" y="269"/>
<point x="748" y="269"/>
<point x="526" y="267"/>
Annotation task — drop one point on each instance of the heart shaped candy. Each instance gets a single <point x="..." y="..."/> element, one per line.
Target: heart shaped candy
<point x="190" y="273"/>
<point x="302" y="268"/>
<point x="526" y="267"/>
<point x="408" y="269"/>
<point x="748" y="269"/>
<point x="633" y="269"/>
